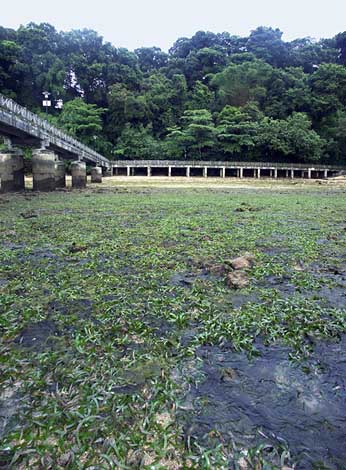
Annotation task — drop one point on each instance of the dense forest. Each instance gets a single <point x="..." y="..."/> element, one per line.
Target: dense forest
<point x="212" y="96"/>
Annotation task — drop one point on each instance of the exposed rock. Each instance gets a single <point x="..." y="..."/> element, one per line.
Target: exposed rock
<point x="237" y="280"/>
<point x="298" y="267"/>
<point x="164" y="419"/>
<point x="228" y="374"/>
<point x="242" y="262"/>
<point x="217" y="269"/>
<point x="65" y="459"/>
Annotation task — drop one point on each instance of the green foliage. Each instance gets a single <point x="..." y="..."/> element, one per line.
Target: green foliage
<point x="151" y="92"/>
<point x="240" y="83"/>
<point x="137" y="143"/>
<point x="84" y="122"/>
<point x="237" y="130"/>
<point x="291" y="139"/>
<point x="99" y="357"/>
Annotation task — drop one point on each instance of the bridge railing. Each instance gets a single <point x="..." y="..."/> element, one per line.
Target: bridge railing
<point x="227" y="164"/>
<point x="15" y="109"/>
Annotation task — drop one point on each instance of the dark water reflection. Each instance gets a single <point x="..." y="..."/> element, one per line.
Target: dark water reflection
<point x="305" y="408"/>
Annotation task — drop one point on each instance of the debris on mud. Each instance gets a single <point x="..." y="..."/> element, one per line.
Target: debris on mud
<point x="247" y="208"/>
<point x="74" y="248"/>
<point x="29" y="215"/>
<point x="10" y="401"/>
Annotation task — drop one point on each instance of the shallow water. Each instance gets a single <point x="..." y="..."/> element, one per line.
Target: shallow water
<point x="248" y="399"/>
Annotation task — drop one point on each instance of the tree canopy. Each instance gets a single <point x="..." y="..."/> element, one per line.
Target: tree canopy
<point x="212" y="96"/>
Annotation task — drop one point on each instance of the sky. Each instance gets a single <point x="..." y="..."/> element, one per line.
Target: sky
<point x="146" y="23"/>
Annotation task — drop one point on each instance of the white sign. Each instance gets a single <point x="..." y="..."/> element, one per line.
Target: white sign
<point x="47" y="103"/>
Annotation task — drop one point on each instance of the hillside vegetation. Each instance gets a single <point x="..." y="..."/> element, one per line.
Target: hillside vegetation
<point x="212" y="96"/>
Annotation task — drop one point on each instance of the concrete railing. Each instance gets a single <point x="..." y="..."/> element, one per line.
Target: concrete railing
<point x="220" y="164"/>
<point x="14" y="115"/>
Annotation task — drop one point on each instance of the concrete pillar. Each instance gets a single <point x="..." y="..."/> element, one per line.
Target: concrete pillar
<point x="43" y="170"/>
<point x="11" y="171"/>
<point x="286" y="173"/>
<point x="169" y="171"/>
<point x="275" y="173"/>
<point x="325" y="174"/>
<point x="205" y="172"/>
<point x="223" y="172"/>
<point x="60" y="174"/>
<point x="258" y="172"/>
<point x="149" y="171"/>
<point x="96" y="174"/>
<point x="292" y="174"/>
<point x="241" y="173"/>
<point x="188" y="172"/>
<point x="78" y="172"/>
<point x="309" y="173"/>
<point x="128" y="171"/>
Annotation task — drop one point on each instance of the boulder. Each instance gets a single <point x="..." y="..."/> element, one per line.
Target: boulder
<point x="237" y="280"/>
<point x="242" y="262"/>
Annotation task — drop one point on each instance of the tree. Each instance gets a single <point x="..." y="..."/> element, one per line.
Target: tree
<point x="341" y="46"/>
<point x="239" y="84"/>
<point x="212" y="93"/>
<point x="267" y="44"/>
<point x="151" y="58"/>
<point x="200" y="129"/>
<point x="291" y="139"/>
<point x="10" y="74"/>
<point x="237" y="130"/>
<point x="201" y="97"/>
<point x="138" y="143"/>
<point x="84" y="122"/>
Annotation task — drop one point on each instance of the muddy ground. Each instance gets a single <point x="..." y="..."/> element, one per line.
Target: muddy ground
<point x="124" y="343"/>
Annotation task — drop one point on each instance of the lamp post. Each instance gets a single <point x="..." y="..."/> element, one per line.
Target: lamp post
<point x="59" y="104"/>
<point x="46" y="101"/>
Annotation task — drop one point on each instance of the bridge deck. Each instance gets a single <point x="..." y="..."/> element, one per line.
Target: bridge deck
<point x="222" y="169"/>
<point x="26" y="128"/>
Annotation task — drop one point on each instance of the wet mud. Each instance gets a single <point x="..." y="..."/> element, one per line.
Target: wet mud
<point x="187" y="279"/>
<point x="38" y="336"/>
<point x="271" y="400"/>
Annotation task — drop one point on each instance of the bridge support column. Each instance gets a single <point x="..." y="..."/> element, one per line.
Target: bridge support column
<point x="275" y="173"/>
<point x="223" y="172"/>
<point x="309" y="173"/>
<point x="60" y="174"/>
<point x="292" y="174"/>
<point x="241" y="173"/>
<point x="188" y="171"/>
<point x="149" y="171"/>
<point x="96" y="174"/>
<point x="258" y="172"/>
<point x="11" y="171"/>
<point x="205" y="172"/>
<point x="169" y="171"/>
<point x="43" y="170"/>
<point x="78" y="172"/>
<point x="128" y="171"/>
<point x="325" y="174"/>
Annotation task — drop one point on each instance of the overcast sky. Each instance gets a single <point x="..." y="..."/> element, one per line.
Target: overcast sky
<point x="136" y="23"/>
